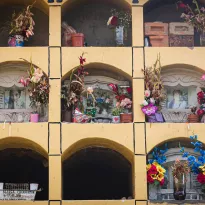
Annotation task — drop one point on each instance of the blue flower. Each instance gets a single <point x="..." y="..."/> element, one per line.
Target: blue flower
<point x="185" y="154"/>
<point x="191" y="159"/>
<point x="202" y="152"/>
<point x="194" y="137"/>
<point x="182" y="149"/>
<point x="99" y="100"/>
<point x="201" y="160"/>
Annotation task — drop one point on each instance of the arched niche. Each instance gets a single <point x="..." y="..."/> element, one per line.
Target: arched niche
<point x="97" y="170"/>
<point x="24" y="163"/>
<point x="41" y="19"/>
<point x="90" y="18"/>
<point x="165" y="192"/>
<point x="167" y="12"/>
<point x="18" y="109"/>
<point x="186" y="80"/>
<point x="100" y="75"/>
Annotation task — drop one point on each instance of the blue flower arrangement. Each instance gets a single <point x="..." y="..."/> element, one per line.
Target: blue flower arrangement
<point x="195" y="163"/>
<point x="158" y="155"/>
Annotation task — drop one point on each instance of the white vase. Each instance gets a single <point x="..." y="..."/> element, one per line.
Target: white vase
<point x="115" y="119"/>
<point x="119" y="35"/>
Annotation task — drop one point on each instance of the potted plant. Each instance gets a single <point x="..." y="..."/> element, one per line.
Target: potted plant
<point x="120" y="21"/>
<point x="20" y="27"/>
<point x="154" y="92"/>
<point x="193" y="118"/>
<point x="156" y="172"/>
<point x="195" y="17"/>
<point x="77" y="39"/>
<point x="38" y="88"/>
<point x="180" y="170"/>
<point x="123" y="96"/>
<point x="116" y="114"/>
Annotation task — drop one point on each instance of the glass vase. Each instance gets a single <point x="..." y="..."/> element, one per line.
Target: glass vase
<point x="180" y="187"/>
<point x="119" y="35"/>
<point x="202" y="39"/>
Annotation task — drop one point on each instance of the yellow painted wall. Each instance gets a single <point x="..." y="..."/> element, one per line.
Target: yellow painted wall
<point x="133" y="140"/>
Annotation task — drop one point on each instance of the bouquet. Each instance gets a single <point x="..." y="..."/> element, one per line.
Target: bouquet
<point x="194" y="17"/>
<point x="154" y="91"/>
<point x="21" y="23"/>
<point x="155" y="170"/>
<point x="38" y="86"/>
<point x="196" y="164"/>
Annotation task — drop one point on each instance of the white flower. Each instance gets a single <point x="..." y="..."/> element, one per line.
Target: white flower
<point x="152" y="100"/>
<point x="90" y="90"/>
<point x="145" y="103"/>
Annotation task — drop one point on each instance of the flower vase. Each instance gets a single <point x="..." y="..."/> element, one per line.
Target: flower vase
<point x="153" y="192"/>
<point x="104" y="112"/>
<point x="126" y="117"/>
<point x="16" y="41"/>
<point x="34" y="117"/>
<point x="119" y="35"/>
<point x="115" y="119"/>
<point x="180" y="187"/>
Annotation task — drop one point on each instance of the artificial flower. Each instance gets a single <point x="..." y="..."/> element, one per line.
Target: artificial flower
<point x="90" y="90"/>
<point x="152" y="170"/>
<point x="129" y="90"/>
<point x="152" y="100"/>
<point x="203" y="77"/>
<point x="113" y="87"/>
<point x="24" y="82"/>
<point x="201" y="178"/>
<point x="112" y="21"/>
<point x="200" y="112"/>
<point x="150" y="179"/>
<point x="162" y="182"/>
<point x="160" y="176"/>
<point x="161" y="169"/>
<point x="147" y="93"/>
<point x="126" y="103"/>
<point x="144" y="103"/>
<point x="149" y="109"/>
<point x="200" y="94"/>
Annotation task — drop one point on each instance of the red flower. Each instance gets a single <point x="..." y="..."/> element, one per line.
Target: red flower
<point x="120" y="97"/>
<point x="114" y="21"/>
<point x="129" y="90"/>
<point x="200" y="112"/>
<point x="82" y="60"/>
<point x="201" y="178"/>
<point x="162" y="182"/>
<point x="149" y="179"/>
<point x="113" y="87"/>
<point x="152" y="170"/>
<point x="182" y="5"/>
<point x="200" y="95"/>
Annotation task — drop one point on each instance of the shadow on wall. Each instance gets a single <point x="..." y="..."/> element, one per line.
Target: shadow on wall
<point x="41" y="29"/>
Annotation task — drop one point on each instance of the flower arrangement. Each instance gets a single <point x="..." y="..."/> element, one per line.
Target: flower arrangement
<point x="201" y="100"/>
<point x="194" y="17"/>
<point x="196" y="164"/>
<point x="180" y="168"/>
<point x="22" y="23"/>
<point x="155" y="170"/>
<point x="77" y="85"/>
<point x="119" y="18"/>
<point x="154" y="91"/>
<point x="123" y="97"/>
<point x="38" y="86"/>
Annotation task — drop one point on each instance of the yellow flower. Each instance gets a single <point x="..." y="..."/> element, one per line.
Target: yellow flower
<point x="154" y="176"/>
<point x="161" y="169"/>
<point x="202" y="168"/>
<point x="160" y="176"/>
<point x="156" y="164"/>
<point x="148" y="167"/>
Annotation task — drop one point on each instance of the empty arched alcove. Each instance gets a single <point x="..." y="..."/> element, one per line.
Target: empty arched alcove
<point x="23" y="168"/>
<point x="97" y="173"/>
<point x="90" y="17"/>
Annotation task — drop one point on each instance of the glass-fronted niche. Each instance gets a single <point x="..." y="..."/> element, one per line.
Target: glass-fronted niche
<point x="181" y="87"/>
<point x="108" y="89"/>
<point x="192" y="186"/>
<point x="14" y="98"/>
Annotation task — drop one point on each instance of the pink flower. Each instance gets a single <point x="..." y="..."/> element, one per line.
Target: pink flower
<point x="113" y="87"/>
<point x="203" y="77"/>
<point x="149" y="109"/>
<point x="147" y="93"/>
<point x="118" y="104"/>
<point x="126" y="103"/>
<point x="24" y="81"/>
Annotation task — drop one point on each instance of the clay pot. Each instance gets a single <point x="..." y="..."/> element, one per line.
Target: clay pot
<point x="34" y="117"/>
<point x="126" y="117"/>
<point x="193" y="118"/>
<point x="77" y="40"/>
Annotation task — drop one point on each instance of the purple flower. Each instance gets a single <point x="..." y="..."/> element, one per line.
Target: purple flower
<point x="149" y="109"/>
